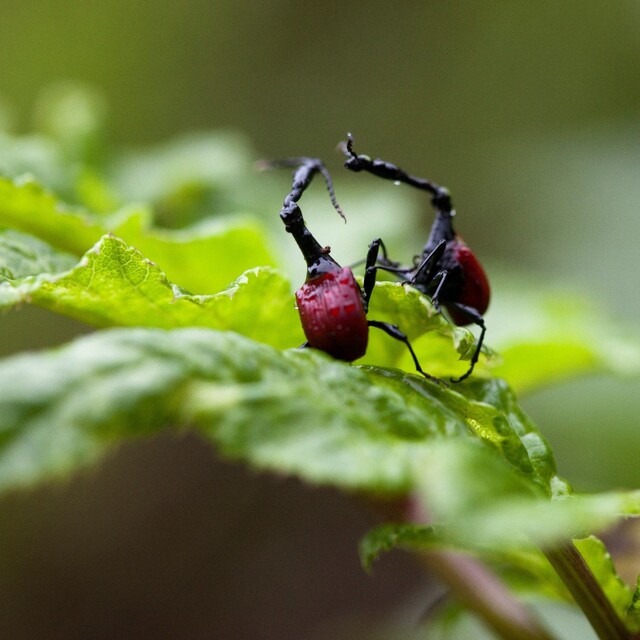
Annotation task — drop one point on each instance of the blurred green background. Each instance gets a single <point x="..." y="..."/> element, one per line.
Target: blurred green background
<point x="528" y="112"/>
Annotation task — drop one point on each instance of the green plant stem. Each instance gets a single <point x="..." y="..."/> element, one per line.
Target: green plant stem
<point x="476" y="587"/>
<point x="587" y="592"/>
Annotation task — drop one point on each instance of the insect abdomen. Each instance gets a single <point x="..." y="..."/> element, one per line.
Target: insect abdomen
<point x="333" y="316"/>
<point x="474" y="291"/>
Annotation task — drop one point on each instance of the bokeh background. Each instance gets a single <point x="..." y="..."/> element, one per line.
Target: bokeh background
<point x="528" y="112"/>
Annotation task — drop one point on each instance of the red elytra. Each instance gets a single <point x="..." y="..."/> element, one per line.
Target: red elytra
<point x="475" y="291"/>
<point x="332" y="314"/>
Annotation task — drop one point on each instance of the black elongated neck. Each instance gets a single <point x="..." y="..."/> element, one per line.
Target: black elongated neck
<point x="324" y="264"/>
<point x="442" y="228"/>
<point x="440" y="199"/>
<point x="316" y="256"/>
<point x="312" y="250"/>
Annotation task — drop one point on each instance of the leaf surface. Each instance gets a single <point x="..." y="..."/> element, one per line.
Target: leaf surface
<point x="115" y="285"/>
<point x="294" y="412"/>
<point x="203" y="259"/>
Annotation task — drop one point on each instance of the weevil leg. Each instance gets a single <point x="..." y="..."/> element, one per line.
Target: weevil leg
<point x="370" y="271"/>
<point x="431" y="260"/>
<point x="393" y="331"/>
<point x="478" y="320"/>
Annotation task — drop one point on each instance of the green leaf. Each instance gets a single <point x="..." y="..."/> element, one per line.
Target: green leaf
<point x="601" y="564"/>
<point x="114" y="284"/>
<point x="35" y="155"/>
<point x="399" y="443"/>
<point x="292" y="412"/>
<point x="518" y="432"/>
<point x="501" y="517"/>
<point x="22" y="255"/>
<point x="74" y="116"/>
<point x="523" y="567"/>
<point x="203" y="259"/>
<point x="297" y="412"/>
<point x="545" y="336"/>
<point x="189" y="176"/>
<point x="633" y="612"/>
<point x="505" y="509"/>
<point x="431" y="335"/>
<point x="27" y="207"/>
<point x="390" y="536"/>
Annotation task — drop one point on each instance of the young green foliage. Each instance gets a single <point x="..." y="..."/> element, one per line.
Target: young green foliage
<point x="619" y="594"/>
<point x="202" y="259"/>
<point x="114" y="285"/>
<point x="291" y="412"/>
<point x="546" y="336"/>
<point x="207" y="340"/>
